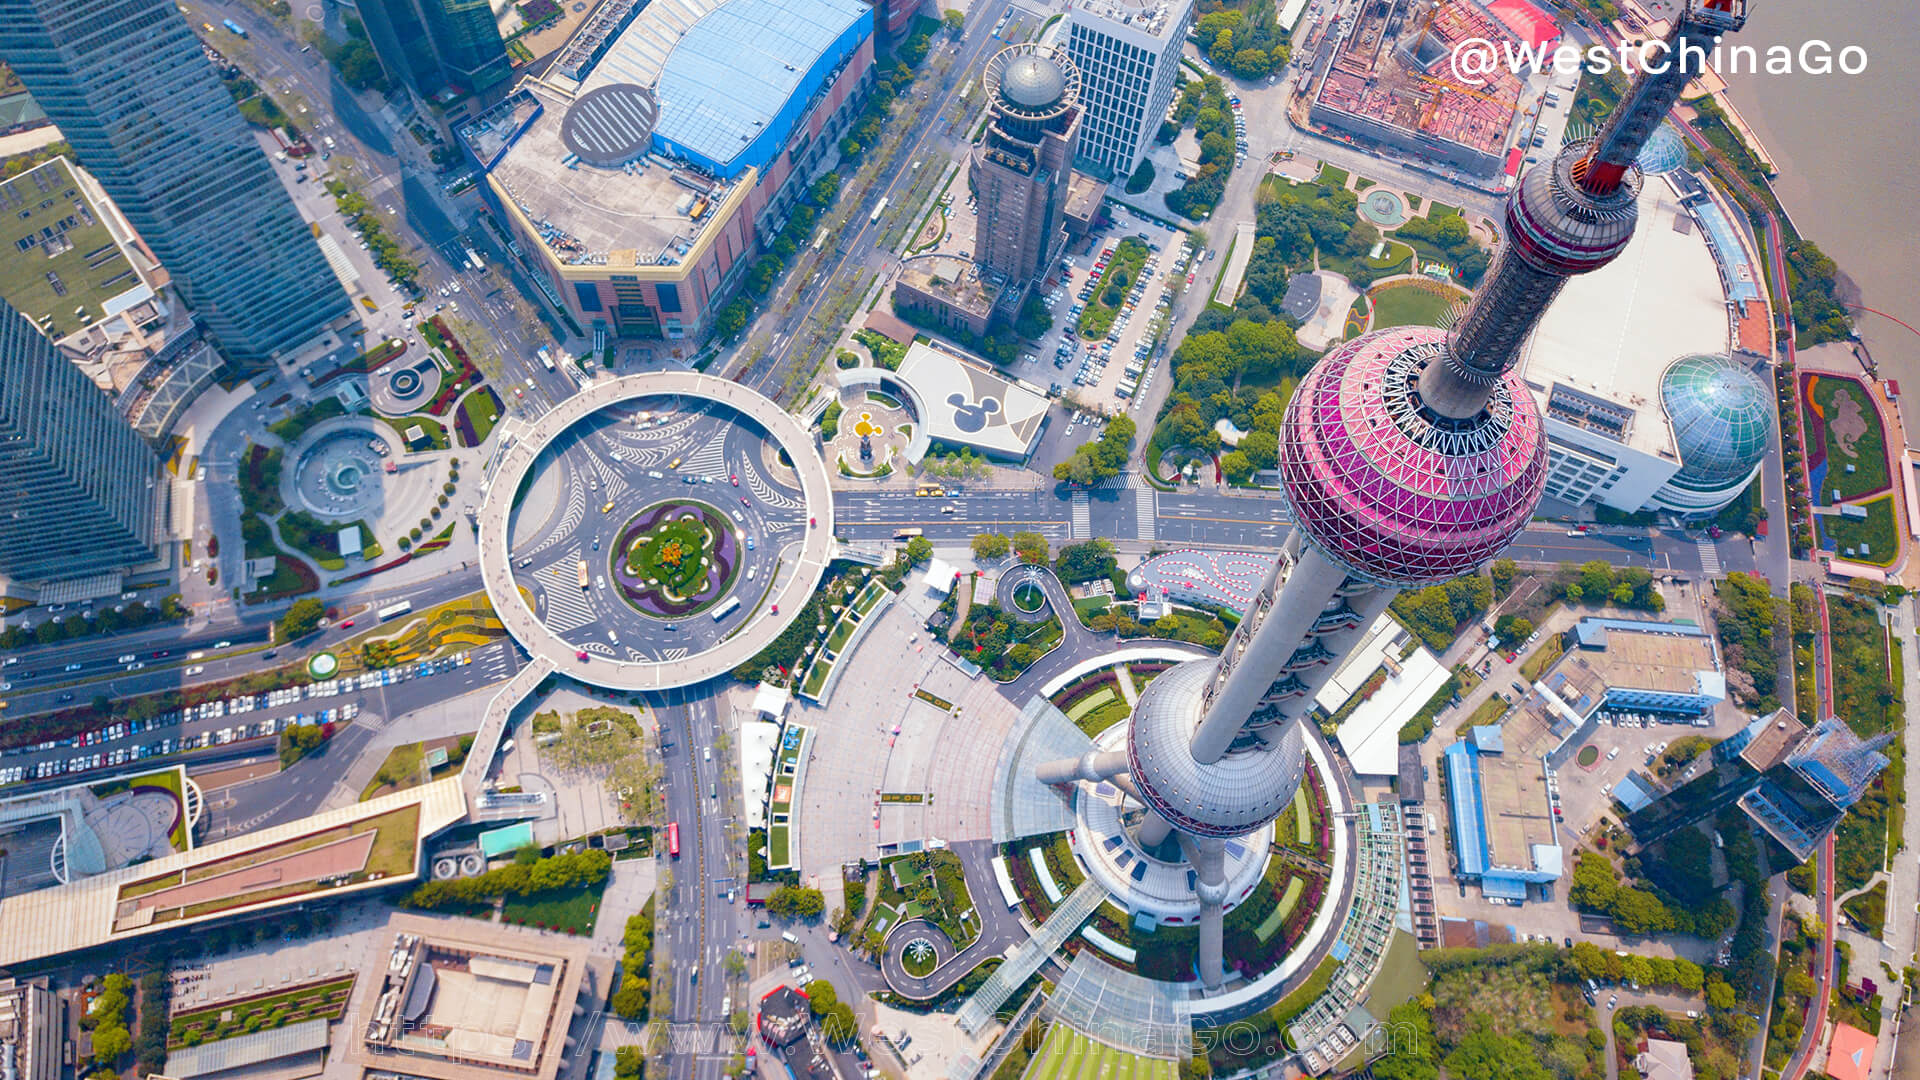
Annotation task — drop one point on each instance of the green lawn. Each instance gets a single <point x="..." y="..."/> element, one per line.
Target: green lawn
<point x="1869" y="458"/>
<point x="1401" y="976"/>
<point x="482" y="409"/>
<point x="1333" y="175"/>
<point x="1091" y="702"/>
<point x="84" y="269"/>
<point x="435" y="433"/>
<point x="816" y="676"/>
<point x="1489" y="712"/>
<point x="1880" y="532"/>
<point x="1067" y="1054"/>
<point x="571" y="910"/>
<point x="1411" y="304"/>
<point x="1289" y="898"/>
<point x="842" y="632"/>
<point x="1089" y="606"/>
<point x="1440" y="210"/>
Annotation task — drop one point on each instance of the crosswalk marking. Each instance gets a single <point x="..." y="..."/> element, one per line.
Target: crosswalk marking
<point x="708" y="460"/>
<point x="1709" y="557"/>
<point x="567" y="605"/>
<point x="1081" y="526"/>
<point x="1146" y="507"/>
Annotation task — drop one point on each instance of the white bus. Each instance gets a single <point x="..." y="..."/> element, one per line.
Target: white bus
<point x="546" y="358"/>
<point x="877" y="211"/>
<point x="474" y="261"/>
<point x="731" y="605"/>
<point x="394" y="611"/>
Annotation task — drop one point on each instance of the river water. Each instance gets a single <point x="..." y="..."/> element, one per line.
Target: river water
<point x="1848" y="154"/>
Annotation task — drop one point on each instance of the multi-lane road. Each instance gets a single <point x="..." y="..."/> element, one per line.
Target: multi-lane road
<point x="1217" y="518"/>
<point x="696" y="915"/>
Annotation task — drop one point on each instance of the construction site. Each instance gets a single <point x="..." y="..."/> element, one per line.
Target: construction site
<point x="1391" y="80"/>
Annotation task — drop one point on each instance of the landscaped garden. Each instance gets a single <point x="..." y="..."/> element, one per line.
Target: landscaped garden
<point x="1846" y="446"/>
<point x="1874" y="539"/>
<point x="1123" y="269"/>
<point x="675" y="558"/>
<point x="929" y="885"/>
<point x="479" y="411"/>
<point x="313" y="1001"/>
<point x="919" y="958"/>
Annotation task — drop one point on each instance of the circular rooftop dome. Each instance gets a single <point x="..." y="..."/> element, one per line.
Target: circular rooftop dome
<point x="1722" y="415"/>
<point x="1033" y="82"/>
<point x="1392" y="492"/>
<point x="1663" y="152"/>
<point x="610" y="125"/>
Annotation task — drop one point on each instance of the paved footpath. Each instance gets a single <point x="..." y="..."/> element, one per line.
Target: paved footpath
<point x="1903" y="893"/>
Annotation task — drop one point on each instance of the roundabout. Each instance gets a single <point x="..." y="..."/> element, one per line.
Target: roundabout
<point x="655" y="531"/>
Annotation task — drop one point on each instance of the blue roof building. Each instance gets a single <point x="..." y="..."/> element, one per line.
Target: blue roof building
<point x="731" y="93"/>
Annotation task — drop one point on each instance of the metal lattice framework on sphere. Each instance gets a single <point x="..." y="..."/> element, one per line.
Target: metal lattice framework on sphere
<point x="1392" y="491"/>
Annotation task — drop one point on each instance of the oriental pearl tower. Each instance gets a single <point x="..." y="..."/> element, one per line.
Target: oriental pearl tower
<point x="1408" y="456"/>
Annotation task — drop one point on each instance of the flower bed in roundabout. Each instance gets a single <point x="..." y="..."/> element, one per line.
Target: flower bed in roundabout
<point x="675" y="558"/>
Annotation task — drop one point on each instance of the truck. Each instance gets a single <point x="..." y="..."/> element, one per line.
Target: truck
<point x="546" y="358"/>
<point x="474" y="262"/>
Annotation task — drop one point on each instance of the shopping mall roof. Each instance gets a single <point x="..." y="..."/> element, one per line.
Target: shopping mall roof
<point x="1613" y="332"/>
<point x="733" y="87"/>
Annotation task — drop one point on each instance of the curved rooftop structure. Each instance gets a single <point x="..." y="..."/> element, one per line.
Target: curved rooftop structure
<point x="1722" y="416"/>
<point x="740" y="77"/>
<point x="1032" y="82"/>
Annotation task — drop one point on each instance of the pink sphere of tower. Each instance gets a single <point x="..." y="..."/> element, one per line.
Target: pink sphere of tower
<point x="1394" y="491"/>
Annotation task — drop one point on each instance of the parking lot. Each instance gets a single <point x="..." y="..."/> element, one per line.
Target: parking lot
<point x="1116" y="371"/>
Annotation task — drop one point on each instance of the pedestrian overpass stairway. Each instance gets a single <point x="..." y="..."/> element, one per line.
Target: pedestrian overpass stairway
<point x="1029" y="955"/>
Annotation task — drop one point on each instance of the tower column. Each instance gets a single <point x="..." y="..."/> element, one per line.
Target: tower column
<point x="1267" y="637"/>
<point x="1209" y="858"/>
<point x="1153" y="831"/>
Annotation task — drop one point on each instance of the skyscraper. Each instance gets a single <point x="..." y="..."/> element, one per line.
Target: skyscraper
<point x="131" y="91"/>
<point x="80" y="493"/>
<point x="436" y="44"/>
<point x="1024" y="162"/>
<point x="1128" y="53"/>
<point x="1408" y="456"/>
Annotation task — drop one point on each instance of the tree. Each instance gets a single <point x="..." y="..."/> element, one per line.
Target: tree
<point x="821" y="996"/>
<point x="302" y="618"/>
<point x="1486" y="1055"/>
<point x="1719" y="995"/>
<point x="630" y="1001"/>
<point x="298" y="741"/>
<point x="111" y="1043"/>
<point x="990" y="545"/>
<point x="839" y="1025"/>
<point x="1031" y="547"/>
<point x="1083" y="562"/>
<point x="736" y="964"/>
<point x="629" y="1063"/>
<point x="794" y="902"/>
<point x="919" y="550"/>
<point x="954" y="18"/>
<point x="1235" y="466"/>
<point x="1410" y="1045"/>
